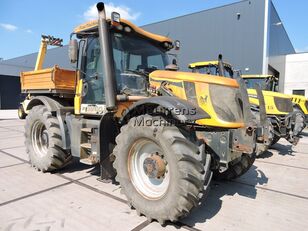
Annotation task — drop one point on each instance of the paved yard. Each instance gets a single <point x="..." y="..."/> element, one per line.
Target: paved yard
<point x="273" y="195"/>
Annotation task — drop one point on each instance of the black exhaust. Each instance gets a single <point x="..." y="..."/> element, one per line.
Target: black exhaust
<point x="106" y="52"/>
<point x="221" y="70"/>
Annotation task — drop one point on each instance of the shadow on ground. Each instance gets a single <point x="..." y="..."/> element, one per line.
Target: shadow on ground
<point x="244" y="186"/>
<point x="284" y="149"/>
<point x="75" y="166"/>
<point x="304" y="133"/>
<point x="212" y="204"/>
<point x="281" y="150"/>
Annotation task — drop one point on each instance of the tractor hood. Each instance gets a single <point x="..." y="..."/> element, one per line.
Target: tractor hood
<point x="192" y="77"/>
<point x="270" y="93"/>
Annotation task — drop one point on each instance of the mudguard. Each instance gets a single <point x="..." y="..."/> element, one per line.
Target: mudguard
<point x="181" y="110"/>
<point x="60" y="109"/>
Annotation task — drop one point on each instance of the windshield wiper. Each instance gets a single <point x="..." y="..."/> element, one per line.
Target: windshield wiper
<point x="138" y="72"/>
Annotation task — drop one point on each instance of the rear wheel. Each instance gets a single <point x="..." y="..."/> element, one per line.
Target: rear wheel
<point x="162" y="173"/>
<point x="236" y="169"/>
<point x="21" y="113"/>
<point x="43" y="140"/>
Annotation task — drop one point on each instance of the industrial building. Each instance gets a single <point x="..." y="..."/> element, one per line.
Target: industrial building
<point x="249" y="34"/>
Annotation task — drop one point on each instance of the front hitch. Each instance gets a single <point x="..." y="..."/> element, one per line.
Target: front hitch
<point x="296" y="124"/>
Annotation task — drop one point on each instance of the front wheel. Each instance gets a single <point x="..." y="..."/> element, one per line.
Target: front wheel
<point x="162" y="173"/>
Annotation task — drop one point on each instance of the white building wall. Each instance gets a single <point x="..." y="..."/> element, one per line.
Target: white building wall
<point x="296" y="73"/>
<point x="279" y="64"/>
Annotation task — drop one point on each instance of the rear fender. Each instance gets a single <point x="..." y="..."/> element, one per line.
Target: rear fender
<point x="59" y="109"/>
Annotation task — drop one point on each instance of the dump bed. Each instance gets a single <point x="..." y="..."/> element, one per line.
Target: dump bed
<point x="53" y="79"/>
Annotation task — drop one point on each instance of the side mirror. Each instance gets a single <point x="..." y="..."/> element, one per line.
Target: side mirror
<point x="177" y="45"/>
<point x="73" y="50"/>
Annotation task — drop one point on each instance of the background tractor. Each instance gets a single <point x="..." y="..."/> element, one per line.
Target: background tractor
<point x="284" y="120"/>
<point x="158" y="132"/>
<point x="288" y="118"/>
<point x="224" y="69"/>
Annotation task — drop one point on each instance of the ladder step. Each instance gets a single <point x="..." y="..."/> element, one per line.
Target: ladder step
<point x="91" y="160"/>
<point x="86" y="145"/>
<point x="86" y="130"/>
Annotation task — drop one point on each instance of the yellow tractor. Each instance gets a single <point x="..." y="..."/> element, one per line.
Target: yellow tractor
<point x="271" y="83"/>
<point x="285" y="120"/>
<point x="288" y="118"/>
<point x="158" y="132"/>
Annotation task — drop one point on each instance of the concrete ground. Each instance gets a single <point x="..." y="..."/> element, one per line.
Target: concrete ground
<point x="272" y="195"/>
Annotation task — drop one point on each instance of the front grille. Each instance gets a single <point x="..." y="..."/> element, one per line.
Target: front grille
<point x="227" y="103"/>
<point x="283" y="104"/>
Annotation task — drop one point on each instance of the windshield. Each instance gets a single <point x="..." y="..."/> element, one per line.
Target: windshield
<point x="264" y="83"/>
<point x="134" y="59"/>
<point x="213" y="70"/>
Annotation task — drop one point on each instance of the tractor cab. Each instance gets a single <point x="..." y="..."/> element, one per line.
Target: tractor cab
<point x="211" y="68"/>
<point x="266" y="82"/>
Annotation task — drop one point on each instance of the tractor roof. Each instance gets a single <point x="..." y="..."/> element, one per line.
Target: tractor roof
<point x="256" y="76"/>
<point x="93" y="25"/>
<point x="207" y="63"/>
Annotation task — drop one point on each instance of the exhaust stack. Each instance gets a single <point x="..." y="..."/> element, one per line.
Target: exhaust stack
<point x="106" y="53"/>
<point x="221" y="70"/>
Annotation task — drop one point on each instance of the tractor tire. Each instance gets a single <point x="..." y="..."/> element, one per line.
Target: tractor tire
<point x="160" y="193"/>
<point x="236" y="169"/>
<point x="21" y="113"/>
<point x="275" y="140"/>
<point x="43" y="140"/>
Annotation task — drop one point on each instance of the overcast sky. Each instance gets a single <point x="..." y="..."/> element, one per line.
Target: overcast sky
<point x="22" y="22"/>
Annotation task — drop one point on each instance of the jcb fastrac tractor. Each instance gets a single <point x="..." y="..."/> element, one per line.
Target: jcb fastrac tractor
<point x="224" y="69"/>
<point x="159" y="132"/>
<point x="287" y="117"/>
<point x="271" y="83"/>
<point x="285" y="121"/>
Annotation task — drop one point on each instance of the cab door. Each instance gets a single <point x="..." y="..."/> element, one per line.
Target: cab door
<point x="92" y="92"/>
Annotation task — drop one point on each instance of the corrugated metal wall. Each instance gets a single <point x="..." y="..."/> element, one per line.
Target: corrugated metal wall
<point x="9" y="92"/>
<point x="205" y="34"/>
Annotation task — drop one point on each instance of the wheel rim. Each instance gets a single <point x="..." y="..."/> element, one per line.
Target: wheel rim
<point x="39" y="138"/>
<point x="148" y="169"/>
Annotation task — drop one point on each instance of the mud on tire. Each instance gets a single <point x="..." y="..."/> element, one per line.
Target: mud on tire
<point x="187" y="163"/>
<point x="43" y="140"/>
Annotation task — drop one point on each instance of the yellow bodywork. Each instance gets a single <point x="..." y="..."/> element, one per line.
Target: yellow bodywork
<point x="270" y="105"/>
<point x="78" y="96"/>
<point x="207" y="63"/>
<point x="175" y="83"/>
<point x="92" y="25"/>
<point x="301" y="101"/>
<point x="257" y="76"/>
<point x="41" y="56"/>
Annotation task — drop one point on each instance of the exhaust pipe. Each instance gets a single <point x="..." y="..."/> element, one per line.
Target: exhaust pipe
<point x="221" y="70"/>
<point x="106" y="52"/>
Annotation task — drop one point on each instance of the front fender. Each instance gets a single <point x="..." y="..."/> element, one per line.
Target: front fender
<point x="181" y="110"/>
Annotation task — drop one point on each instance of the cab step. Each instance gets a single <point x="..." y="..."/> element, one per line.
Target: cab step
<point x="86" y="130"/>
<point x="91" y="160"/>
<point x="86" y="145"/>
